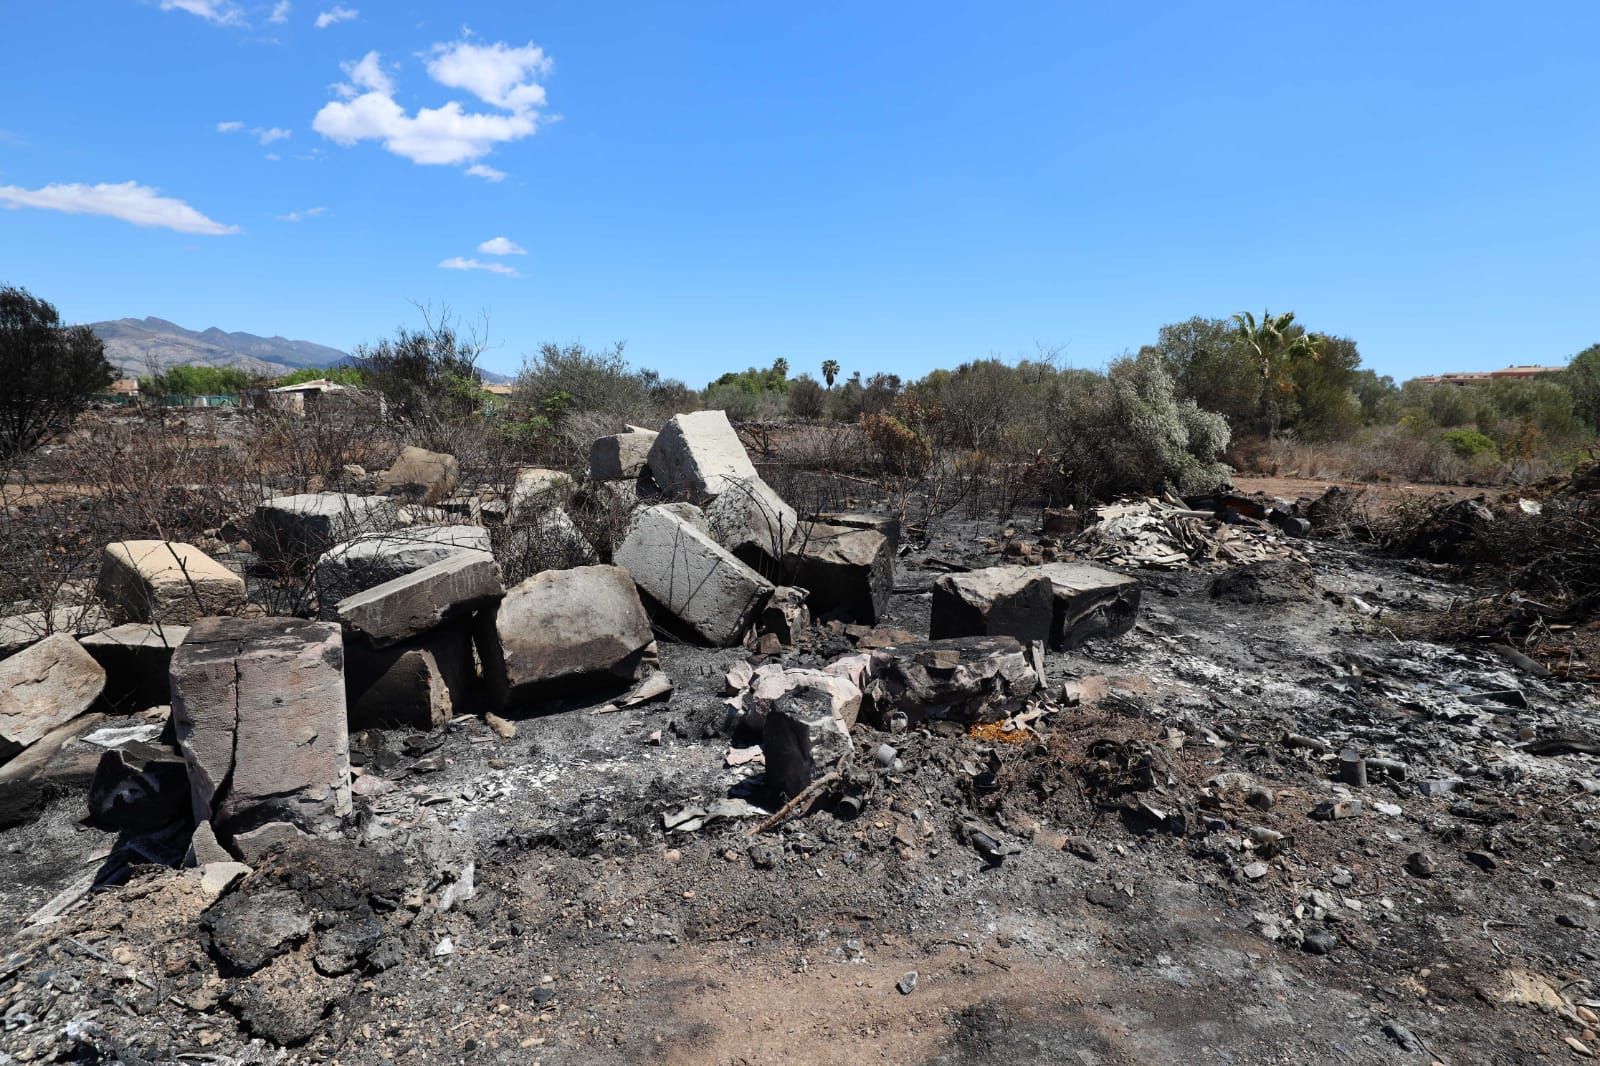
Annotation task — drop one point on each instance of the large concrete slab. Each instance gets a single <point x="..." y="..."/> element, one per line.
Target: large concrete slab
<point x="620" y="455"/>
<point x="691" y="576"/>
<point x="848" y="571"/>
<point x="1012" y="601"/>
<point x="751" y="520"/>
<point x="258" y="705"/>
<point x="565" y="626"/>
<point x="44" y="687"/>
<point x="414" y="603"/>
<point x="373" y="558"/>
<point x="298" y="529"/>
<point x="1090" y="601"/>
<point x="698" y="455"/>
<point x="136" y="658"/>
<point x="166" y="581"/>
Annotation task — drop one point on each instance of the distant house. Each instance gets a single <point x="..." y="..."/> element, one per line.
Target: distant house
<point x="125" y="387"/>
<point x="497" y="390"/>
<point x="296" y="397"/>
<point x="1473" y="377"/>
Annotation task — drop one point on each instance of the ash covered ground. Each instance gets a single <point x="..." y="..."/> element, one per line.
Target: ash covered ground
<point x="1175" y="863"/>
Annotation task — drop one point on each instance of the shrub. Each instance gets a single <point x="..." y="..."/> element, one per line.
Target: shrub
<point x="1468" y="443"/>
<point x="899" y="449"/>
<point x="189" y="380"/>
<point x="1129" y="433"/>
<point x="806" y="398"/>
<point x="49" y="370"/>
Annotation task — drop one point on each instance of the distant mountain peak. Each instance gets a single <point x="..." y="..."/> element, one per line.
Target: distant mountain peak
<point x="140" y="345"/>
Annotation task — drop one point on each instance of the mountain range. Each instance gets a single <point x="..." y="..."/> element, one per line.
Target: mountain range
<point x="139" y="346"/>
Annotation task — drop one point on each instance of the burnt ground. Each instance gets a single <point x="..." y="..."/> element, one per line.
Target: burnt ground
<point x="1149" y="912"/>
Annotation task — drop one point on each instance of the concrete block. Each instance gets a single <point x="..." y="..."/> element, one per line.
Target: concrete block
<point x="1013" y="601"/>
<point x="567" y="626"/>
<point x="1090" y="601"/>
<point x="136" y="658"/>
<point x="421" y="476"/>
<point x="692" y="577"/>
<point x="697" y="455"/>
<point x="166" y="581"/>
<point x="43" y="687"/>
<point x="848" y="571"/>
<point x="414" y="603"/>
<point x="298" y="529"/>
<point x="621" y="455"/>
<point x="374" y="558"/>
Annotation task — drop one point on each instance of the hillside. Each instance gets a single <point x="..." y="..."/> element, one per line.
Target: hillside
<point x="136" y="345"/>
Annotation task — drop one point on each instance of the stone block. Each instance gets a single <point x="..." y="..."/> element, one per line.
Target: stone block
<point x="1012" y="601"/>
<point x="299" y="529"/>
<point x="374" y="558"/>
<point x="1090" y="601"/>
<point x="849" y="572"/>
<point x="415" y="684"/>
<point x="888" y="525"/>
<point x="414" y="603"/>
<point x="19" y="631"/>
<point x="421" y="476"/>
<point x="258" y="707"/>
<point x="964" y="680"/>
<point x="621" y="455"/>
<point x="136" y="658"/>
<point x="43" y="687"/>
<point x="690" y="576"/>
<point x="166" y="581"/>
<point x="537" y="487"/>
<point x="567" y="626"/>
<point x="697" y="455"/>
<point x="751" y="520"/>
<point x="801" y="739"/>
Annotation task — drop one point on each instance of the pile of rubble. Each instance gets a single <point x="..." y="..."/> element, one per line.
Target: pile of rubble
<point x="414" y="625"/>
<point x="1215" y="532"/>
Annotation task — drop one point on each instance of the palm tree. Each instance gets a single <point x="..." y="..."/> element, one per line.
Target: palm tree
<point x="780" y="366"/>
<point x="1276" y="351"/>
<point x="830" y="370"/>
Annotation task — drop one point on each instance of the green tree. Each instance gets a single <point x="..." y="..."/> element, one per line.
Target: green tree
<point x="50" y="371"/>
<point x="190" y="379"/>
<point x="1211" y="364"/>
<point x="830" y="371"/>
<point x="1583" y="381"/>
<point x="350" y="376"/>
<point x="1276" y="343"/>
<point x="428" y="377"/>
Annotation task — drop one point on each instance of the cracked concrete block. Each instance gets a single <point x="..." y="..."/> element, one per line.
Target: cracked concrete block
<point x="1012" y="601"/>
<point x="373" y="558"/>
<point x="967" y="679"/>
<point x="258" y="706"/>
<point x="772" y="682"/>
<point x="414" y="603"/>
<point x="848" y="571"/>
<point x="136" y="658"/>
<point x="562" y="626"/>
<point x="1090" y="601"/>
<point x="750" y="519"/>
<point x="537" y="486"/>
<point x="418" y="683"/>
<point x="802" y="739"/>
<point x="166" y="581"/>
<point x="43" y="687"/>
<point x="691" y="576"/>
<point x="621" y="455"/>
<point x="301" y="528"/>
<point x="421" y="476"/>
<point x="698" y="455"/>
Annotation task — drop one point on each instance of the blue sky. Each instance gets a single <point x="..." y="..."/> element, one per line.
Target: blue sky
<point x="896" y="186"/>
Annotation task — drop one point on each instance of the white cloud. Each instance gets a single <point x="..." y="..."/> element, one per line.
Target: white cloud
<point x="448" y="135"/>
<point x="365" y="73"/>
<point x="265" y="134"/>
<point x="280" y="12"/>
<point x="501" y="246"/>
<point x="336" y="13"/>
<point x="457" y="262"/>
<point x="495" y="73"/>
<point x="129" y="201"/>
<point x="301" y="216"/>
<point x="222" y="12"/>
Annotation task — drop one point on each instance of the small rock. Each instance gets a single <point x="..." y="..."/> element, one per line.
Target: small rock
<point x="1571" y="921"/>
<point x="1437" y="786"/>
<point x="1261" y="799"/>
<point x="1420" y="864"/>
<point x="1402" y="1036"/>
<point x="1320" y="941"/>
<point x="1083" y="849"/>
<point x="1255" y="871"/>
<point x="503" y="729"/>
<point x="1482" y="860"/>
<point x="907" y="983"/>
<point x="1336" y="810"/>
<point x="445" y="946"/>
<point x="1579" y="1047"/>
